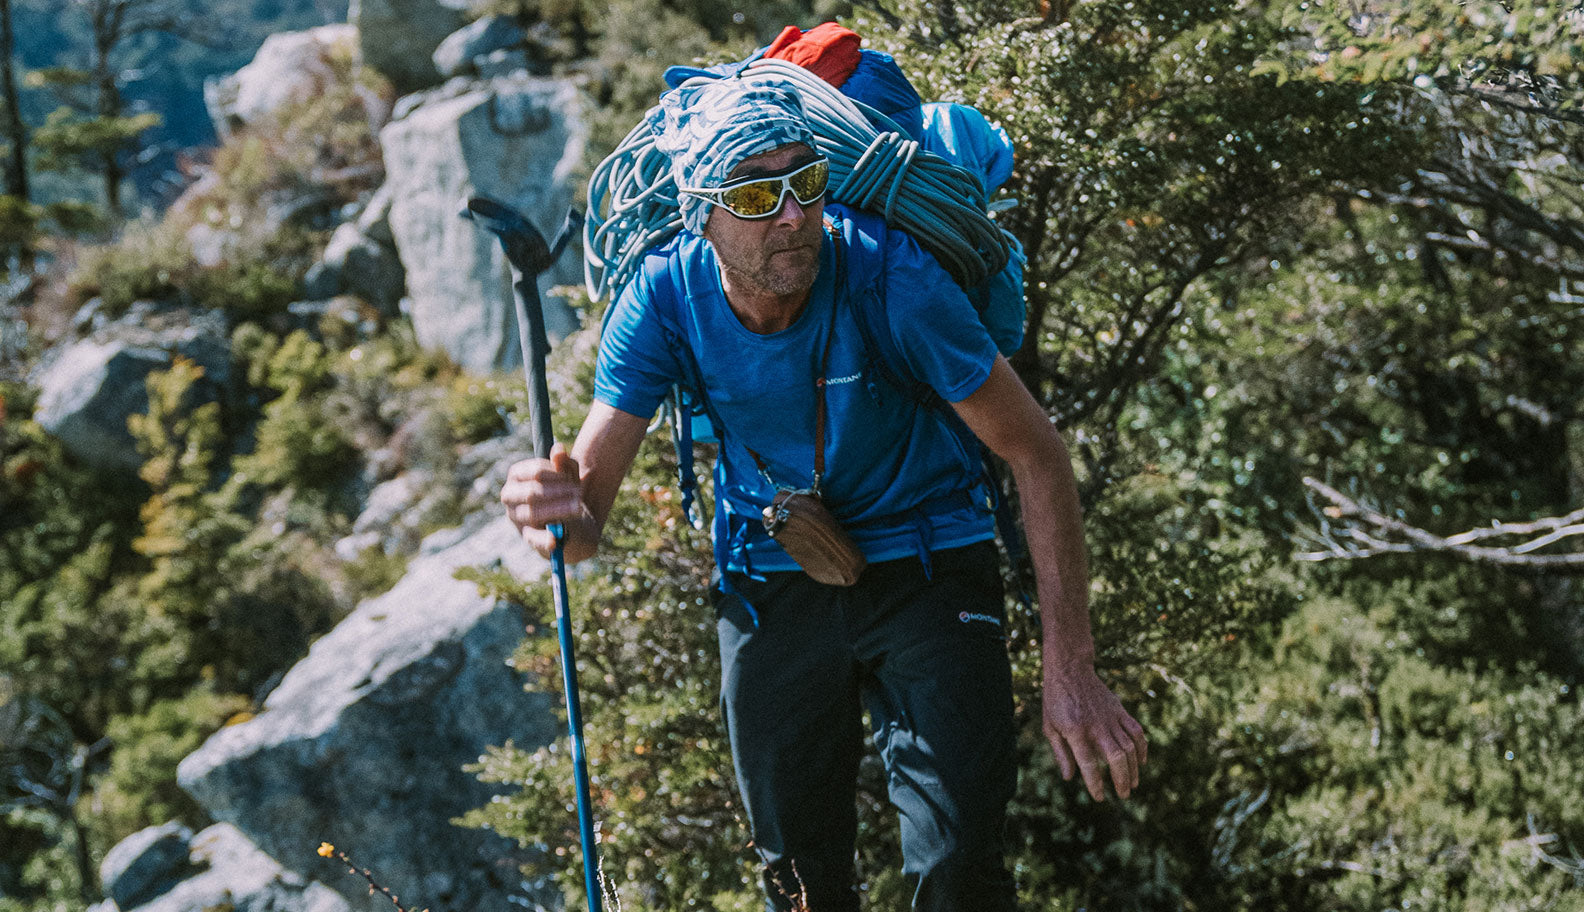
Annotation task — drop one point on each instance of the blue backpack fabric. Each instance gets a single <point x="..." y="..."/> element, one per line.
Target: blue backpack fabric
<point x="877" y="82"/>
<point x="963" y="136"/>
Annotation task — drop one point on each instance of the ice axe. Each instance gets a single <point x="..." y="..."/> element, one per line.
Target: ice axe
<point x="529" y="256"/>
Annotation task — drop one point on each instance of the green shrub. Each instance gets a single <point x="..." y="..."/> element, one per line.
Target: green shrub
<point x="259" y="276"/>
<point x="76" y="218"/>
<point x="299" y="445"/>
<point x="64" y="536"/>
<point x="151" y="261"/>
<point x="671" y="831"/>
<point x="47" y="880"/>
<point x="139" y="788"/>
<point x="237" y="603"/>
<point x="246" y="290"/>
<point x="19" y="224"/>
<point x="373" y="572"/>
<point x="476" y="409"/>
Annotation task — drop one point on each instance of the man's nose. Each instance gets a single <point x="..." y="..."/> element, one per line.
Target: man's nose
<point x="791" y="210"/>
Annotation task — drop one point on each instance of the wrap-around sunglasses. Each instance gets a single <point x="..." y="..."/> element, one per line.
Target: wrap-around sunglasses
<point x="761" y="197"/>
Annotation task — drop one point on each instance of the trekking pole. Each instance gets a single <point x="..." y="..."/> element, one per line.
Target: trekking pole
<point x="529" y="256"/>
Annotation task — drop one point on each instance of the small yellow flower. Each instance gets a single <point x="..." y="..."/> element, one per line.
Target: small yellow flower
<point x="326" y="850"/>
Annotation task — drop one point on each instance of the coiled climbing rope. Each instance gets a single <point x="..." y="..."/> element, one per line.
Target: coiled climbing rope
<point x="633" y="197"/>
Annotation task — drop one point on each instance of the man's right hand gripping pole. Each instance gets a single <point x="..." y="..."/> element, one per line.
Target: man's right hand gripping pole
<point x="541" y="492"/>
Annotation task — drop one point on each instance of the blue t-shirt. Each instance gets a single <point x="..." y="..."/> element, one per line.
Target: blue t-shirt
<point x="900" y="476"/>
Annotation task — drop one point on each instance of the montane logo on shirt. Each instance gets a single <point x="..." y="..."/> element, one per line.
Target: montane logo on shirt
<point x="967" y="616"/>
<point x="850" y="378"/>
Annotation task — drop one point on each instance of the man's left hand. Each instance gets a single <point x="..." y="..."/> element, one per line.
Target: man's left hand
<point x="1089" y="731"/>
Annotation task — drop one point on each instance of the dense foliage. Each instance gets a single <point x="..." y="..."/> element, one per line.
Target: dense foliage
<point x="1269" y="242"/>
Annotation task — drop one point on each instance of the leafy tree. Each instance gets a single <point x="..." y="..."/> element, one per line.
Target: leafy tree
<point x="1242" y="271"/>
<point x="1150" y="156"/>
<point x="93" y="128"/>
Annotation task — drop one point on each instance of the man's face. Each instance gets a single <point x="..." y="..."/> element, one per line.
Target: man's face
<point x="778" y="255"/>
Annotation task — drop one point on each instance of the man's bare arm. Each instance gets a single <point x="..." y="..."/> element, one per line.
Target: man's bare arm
<point x="1086" y="723"/>
<point x="575" y="489"/>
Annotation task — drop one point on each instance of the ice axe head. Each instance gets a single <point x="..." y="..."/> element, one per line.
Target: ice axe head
<point x="525" y="246"/>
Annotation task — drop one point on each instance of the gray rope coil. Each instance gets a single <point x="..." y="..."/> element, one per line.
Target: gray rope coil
<point x="633" y="198"/>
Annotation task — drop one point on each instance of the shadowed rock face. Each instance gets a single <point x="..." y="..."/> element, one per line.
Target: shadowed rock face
<point x="168" y="869"/>
<point x="517" y="139"/>
<point x="146" y="864"/>
<point x="458" y="54"/>
<point x="364" y="741"/>
<point x="90" y="388"/>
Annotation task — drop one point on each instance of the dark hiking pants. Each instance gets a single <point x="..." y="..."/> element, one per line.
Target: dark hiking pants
<point x="926" y="657"/>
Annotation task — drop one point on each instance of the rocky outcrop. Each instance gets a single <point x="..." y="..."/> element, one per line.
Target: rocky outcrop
<point x="220" y="868"/>
<point x="361" y="265"/>
<point x="399" y="37"/>
<point x="88" y="389"/>
<point x="363" y="743"/>
<point x="459" y="54"/>
<point x="146" y="864"/>
<point x="289" y="67"/>
<point x="516" y="139"/>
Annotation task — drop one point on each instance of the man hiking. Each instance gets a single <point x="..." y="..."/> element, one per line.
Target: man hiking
<point x="754" y="301"/>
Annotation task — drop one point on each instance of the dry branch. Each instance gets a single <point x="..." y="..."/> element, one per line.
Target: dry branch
<point x="1351" y="530"/>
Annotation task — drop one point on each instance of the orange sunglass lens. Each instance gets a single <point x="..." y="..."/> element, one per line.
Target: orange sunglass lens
<point x="754" y="198"/>
<point x="809" y="183"/>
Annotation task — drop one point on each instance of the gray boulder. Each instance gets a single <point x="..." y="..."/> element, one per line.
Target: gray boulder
<point x="88" y="390"/>
<point x="456" y="54"/>
<point x="365" y="267"/>
<point x="289" y="67"/>
<point x="399" y="37"/>
<point x="519" y="140"/>
<point x="146" y="864"/>
<point x="397" y="513"/>
<point x="363" y="742"/>
<point x="234" y="874"/>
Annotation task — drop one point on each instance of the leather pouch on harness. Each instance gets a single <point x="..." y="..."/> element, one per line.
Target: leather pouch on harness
<point x="805" y="529"/>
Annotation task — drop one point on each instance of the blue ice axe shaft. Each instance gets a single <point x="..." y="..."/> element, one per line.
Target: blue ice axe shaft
<point x="529" y="256"/>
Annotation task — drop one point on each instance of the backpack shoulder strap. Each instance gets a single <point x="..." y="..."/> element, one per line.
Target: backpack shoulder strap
<point x="666" y="280"/>
<point x="865" y="287"/>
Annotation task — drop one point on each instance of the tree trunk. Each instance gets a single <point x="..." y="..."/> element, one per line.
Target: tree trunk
<point x="15" y="130"/>
<point x="107" y="33"/>
<point x="16" y="176"/>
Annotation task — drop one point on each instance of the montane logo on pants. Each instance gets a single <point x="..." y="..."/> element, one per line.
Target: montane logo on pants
<point x="967" y="616"/>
